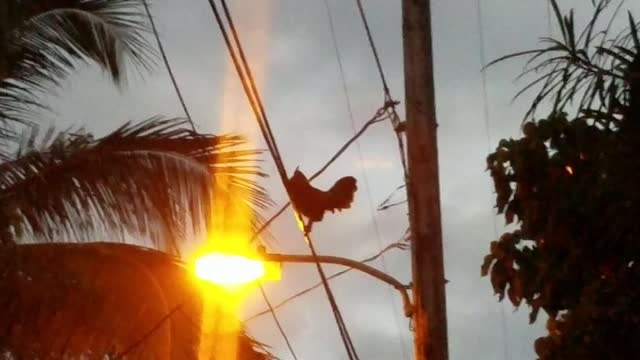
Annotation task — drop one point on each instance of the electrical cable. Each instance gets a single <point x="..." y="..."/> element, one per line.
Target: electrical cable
<point x="258" y="113"/>
<point x="549" y="25"/>
<point x="363" y="16"/>
<point x="168" y="65"/>
<point x="146" y="336"/>
<point x="390" y="104"/>
<point x="283" y="176"/>
<point x="275" y="319"/>
<point x="244" y="73"/>
<point x="241" y="75"/>
<point x="398" y="125"/>
<point x="367" y="186"/>
<point x="395" y="119"/>
<point x="487" y="125"/>
<point x="379" y="116"/>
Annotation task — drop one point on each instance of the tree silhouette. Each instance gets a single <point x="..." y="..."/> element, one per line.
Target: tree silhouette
<point x="570" y="187"/>
<point x="156" y="182"/>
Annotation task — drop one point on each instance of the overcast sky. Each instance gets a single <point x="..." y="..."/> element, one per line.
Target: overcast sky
<point x="289" y="46"/>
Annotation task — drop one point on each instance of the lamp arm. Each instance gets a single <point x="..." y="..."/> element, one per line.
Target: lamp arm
<point x="296" y="258"/>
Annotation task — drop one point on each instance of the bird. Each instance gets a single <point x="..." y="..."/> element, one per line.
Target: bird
<point x="313" y="203"/>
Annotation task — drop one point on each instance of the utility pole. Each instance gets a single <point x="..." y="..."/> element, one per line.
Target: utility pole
<point x="423" y="188"/>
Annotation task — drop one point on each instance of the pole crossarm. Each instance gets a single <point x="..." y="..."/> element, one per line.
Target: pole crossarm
<point x="336" y="260"/>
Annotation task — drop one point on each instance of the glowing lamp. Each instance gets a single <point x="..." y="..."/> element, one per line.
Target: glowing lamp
<point x="234" y="270"/>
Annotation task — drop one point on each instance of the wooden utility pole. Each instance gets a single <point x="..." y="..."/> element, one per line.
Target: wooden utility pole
<point x="423" y="188"/>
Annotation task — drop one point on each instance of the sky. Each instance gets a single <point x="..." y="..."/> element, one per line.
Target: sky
<point x="289" y="46"/>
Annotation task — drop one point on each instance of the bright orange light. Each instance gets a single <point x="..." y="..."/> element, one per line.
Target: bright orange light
<point x="227" y="259"/>
<point x="229" y="270"/>
<point x="232" y="270"/>
<point x="569" y="169"/>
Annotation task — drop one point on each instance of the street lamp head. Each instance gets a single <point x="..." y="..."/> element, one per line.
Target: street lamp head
<point x="228" y="270"/>
<point x="233" y="270"/>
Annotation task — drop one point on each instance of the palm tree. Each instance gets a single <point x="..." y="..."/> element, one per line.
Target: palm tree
<point x="155" y="181"/>
<point x="105" y="298"/>
<point x="589" y="71"/>
<point x="41" y="42"/>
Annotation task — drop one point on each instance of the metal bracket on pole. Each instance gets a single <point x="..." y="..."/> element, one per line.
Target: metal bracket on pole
<point x="402" y="288"/>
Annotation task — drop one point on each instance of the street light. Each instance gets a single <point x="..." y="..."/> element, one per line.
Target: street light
<point x="227" y="270"/>
<point x="232" y="270"/>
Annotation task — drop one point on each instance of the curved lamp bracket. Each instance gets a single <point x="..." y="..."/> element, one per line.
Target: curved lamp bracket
<point x="402" y="288"/>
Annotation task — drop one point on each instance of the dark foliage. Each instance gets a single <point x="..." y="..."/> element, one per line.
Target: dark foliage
<point x="41" y="42"/>
<point x="155" y="180"/>
<point x="64" y="301"/>
<point x="570" y="186"/>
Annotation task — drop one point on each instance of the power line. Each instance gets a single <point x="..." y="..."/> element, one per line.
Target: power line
<point x="241" y="75"/>
<point x="259" y="116"/>
<point x="283" y="176"/>
<point x="487" y="125"/>
<point x="168" y="65"/>
<point x="379" y="116"/>
<point x="395" y="119"/>
<point x="367" y="186"/>
<point x="549" y="25"/>
<point x="390" y="106"/>
<point x="244" y="73"/>
<point x="147" y="335"/>
<point x="275" y="319"/>
<point x="363" y="16"/>
<point x="259" y="113"/>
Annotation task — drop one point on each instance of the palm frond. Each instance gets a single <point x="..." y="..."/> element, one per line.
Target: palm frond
<point x="63" y="301"/>
<point x="41" y="42"/>
<point x="587" y="71"/>
<point x="156" y="180"/>
<point x="43" y="38"/>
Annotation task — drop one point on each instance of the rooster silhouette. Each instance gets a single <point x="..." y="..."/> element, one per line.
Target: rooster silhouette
<point x="313" y="203"/>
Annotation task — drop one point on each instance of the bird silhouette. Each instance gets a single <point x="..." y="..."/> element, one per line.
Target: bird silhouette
<point x="313" y="203"/>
